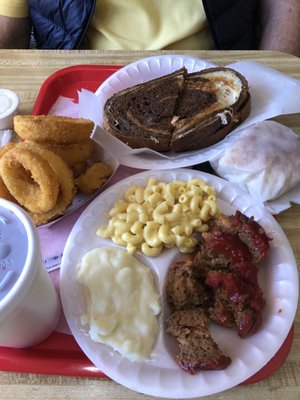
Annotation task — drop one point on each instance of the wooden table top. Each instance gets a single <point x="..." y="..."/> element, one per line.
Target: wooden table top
<point x="24" y="71"/>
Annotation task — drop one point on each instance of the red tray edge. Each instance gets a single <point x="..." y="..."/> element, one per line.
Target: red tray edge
<point x="60" y="74"/>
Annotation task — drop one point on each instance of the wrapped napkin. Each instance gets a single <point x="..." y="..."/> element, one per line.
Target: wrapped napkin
<point x="264" y="160"/>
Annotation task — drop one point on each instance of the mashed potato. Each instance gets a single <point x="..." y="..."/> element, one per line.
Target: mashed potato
<point x="122" y="301"/>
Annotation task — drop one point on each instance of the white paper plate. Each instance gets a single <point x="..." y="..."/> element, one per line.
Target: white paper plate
<point x="142" y="71"/>
<point x="160" y="375"/>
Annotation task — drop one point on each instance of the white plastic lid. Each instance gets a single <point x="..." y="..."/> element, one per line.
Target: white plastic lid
<point x="18" y="247"/>
<point x="9" y="102"/>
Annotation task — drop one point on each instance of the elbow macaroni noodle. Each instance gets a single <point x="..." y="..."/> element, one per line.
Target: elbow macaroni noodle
<point x="161" y="215"/>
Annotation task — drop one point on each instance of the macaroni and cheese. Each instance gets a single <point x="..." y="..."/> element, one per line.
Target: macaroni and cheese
<point x="161" y="215"/>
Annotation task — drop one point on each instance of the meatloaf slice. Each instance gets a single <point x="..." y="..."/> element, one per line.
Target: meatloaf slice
<point x="225" y="251"/>
<point x="247" y="230"/>
<point x="185" y="287"/>
<point x="231" y="250"/>
<point x="236" y="300"/>
<point x="197" y="348"/>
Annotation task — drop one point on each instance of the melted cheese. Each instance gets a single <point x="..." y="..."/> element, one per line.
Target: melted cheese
<point x="227" y="87"/>
<point x="122" y="302"/>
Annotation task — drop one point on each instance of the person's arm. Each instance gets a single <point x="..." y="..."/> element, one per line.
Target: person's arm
<point x="14" y="32"/>
<point x="280" y="21"/>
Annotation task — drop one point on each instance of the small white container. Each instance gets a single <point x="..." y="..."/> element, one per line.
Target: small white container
<point x="29" y="304"/>
<point x="9" y="103"/>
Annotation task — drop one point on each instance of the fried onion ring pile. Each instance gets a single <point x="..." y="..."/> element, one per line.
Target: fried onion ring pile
<point x="39" y="172"/>
<point x="67" y="137"/>
<point x="70" y="139"/>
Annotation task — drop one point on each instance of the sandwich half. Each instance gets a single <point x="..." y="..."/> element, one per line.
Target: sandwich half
<point x="179" y="111"/>
<point x="141" y="116"/>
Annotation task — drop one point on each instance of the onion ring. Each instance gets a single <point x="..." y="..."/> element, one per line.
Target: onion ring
<point x="30" y="179"/>
<point x="6" y="148"/>
<point x="4" y="192"/>
<point x="73" y="153"/>
<point x="94" y="177"/>
<point x="65" y="180"/>
<point x="52" y="129"/>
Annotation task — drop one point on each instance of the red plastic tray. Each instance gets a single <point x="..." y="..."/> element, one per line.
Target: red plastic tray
<point x="59" y="354"/>
<point x="67" y="81"/>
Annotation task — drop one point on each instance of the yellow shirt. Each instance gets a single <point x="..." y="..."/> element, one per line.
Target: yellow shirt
<point x="148" y="25"/>
<point x="14" y="8"/>
<point x="138" y="24"/>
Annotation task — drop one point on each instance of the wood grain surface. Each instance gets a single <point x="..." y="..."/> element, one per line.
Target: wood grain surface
<point x="24" y="71"/>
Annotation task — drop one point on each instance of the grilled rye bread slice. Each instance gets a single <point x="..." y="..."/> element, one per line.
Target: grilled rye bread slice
<point x="179" y="111"/>
<point x="141" y="116"/>
<point x="212" y="103"/>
